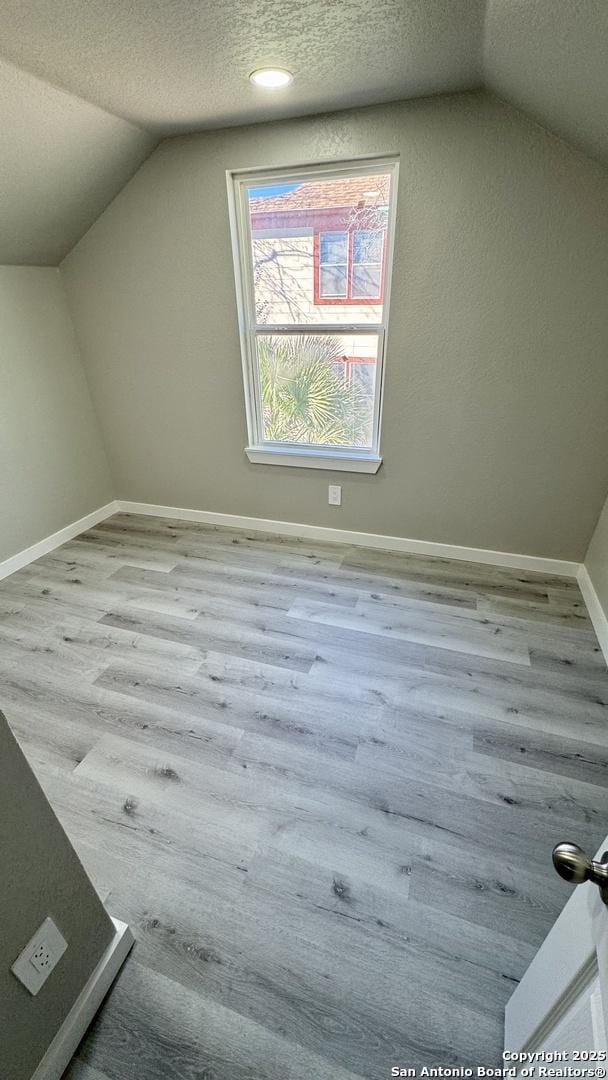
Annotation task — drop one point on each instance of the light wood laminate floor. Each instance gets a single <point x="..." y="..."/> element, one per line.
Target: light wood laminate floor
<point x="322" y="784"/>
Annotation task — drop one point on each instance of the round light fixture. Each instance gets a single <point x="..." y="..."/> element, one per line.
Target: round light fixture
<point x="271" y="78"/>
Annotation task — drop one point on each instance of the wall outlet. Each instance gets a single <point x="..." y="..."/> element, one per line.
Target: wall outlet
<point x="40" y="956"/>
<point x="335" y="495"/>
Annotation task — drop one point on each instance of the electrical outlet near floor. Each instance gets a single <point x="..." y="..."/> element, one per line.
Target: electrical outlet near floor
<point x="335" y="495"/>
<point x="40" y="957"/>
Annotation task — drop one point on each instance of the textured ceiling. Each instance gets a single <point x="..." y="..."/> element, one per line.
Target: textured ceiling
<point x="61" y="162"/>
<point x="182" y="65"/>
<point x="84" y="77"/>
<point x="550" y="58"/>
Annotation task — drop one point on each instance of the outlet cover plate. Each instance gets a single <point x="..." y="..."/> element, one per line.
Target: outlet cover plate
<point x="40" y="957"/>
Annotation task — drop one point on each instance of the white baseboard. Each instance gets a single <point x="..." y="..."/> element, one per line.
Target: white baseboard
<point x="36" y="551"/>
<point x="560" y="567"/>
<point x="596" y="612"/>
<point x="64" y="1045"/>
<point x="535" y="563"/>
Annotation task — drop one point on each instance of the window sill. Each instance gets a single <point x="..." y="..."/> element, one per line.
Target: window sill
<point x="307" y="459"/>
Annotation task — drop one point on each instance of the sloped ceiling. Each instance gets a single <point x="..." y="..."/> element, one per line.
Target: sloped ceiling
<point x="88" y="87"/>
<point x="550" y="58"/>
<point x="61" y="162"/>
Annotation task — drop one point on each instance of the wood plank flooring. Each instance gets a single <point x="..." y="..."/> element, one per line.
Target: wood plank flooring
<point x="321" y="783"/>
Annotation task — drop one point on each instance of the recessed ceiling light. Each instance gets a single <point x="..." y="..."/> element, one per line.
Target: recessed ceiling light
<point x="271" y="78"/>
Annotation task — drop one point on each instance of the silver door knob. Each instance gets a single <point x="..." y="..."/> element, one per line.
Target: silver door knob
<point x="575" y="866"/>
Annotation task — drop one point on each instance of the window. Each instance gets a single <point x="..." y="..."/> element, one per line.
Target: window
<point x="349" y="266"/>
<point x="312" y="250"/>
<point x="332" y="267"/>
<point x="367" y="263"/>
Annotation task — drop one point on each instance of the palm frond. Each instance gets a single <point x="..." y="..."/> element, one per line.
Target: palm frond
<point x="304" y="398"/>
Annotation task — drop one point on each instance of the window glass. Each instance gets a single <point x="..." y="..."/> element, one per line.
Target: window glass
<point x="333" y="248"/>
<point x="333" y="264"/>
<point x="367" y="246"/>
<point x="333" y="281"/>
<point x="312" y="390"/>
<point x="309" y="243"/>
<point x="366" y="276"/>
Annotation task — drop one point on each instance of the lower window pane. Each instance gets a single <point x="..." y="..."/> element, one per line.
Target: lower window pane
<point x="332" y="280"/>
<point x="318" y="389"/>
<point x="366" y="281"/>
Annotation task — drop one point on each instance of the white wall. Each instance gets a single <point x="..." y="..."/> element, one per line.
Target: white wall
<point x="54" y="468"/>
<point x="495" y="430"/>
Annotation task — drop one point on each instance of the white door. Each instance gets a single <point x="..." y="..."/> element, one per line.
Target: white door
<point x="560" y="1007"/>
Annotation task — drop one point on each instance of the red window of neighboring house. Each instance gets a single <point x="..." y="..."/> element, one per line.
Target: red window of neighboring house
<point x="349" y="266"/>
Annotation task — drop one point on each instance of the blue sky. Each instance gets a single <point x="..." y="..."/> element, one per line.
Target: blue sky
<point x="270" y="190"/>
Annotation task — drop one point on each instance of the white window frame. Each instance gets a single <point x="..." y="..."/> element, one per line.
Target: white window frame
<point x="260" y="450"/>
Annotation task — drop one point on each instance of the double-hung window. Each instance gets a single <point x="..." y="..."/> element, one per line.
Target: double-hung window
<point x="349" y="267"/>
<point x="312" y="252"/>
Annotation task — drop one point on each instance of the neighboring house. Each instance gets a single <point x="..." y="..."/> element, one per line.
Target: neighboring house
<point x="319" y="256"/>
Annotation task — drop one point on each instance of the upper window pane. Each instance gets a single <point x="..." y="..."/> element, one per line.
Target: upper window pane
<point x="333" y="248"/>
<point x="311" y="241"/>
<point x="367" y="246"/>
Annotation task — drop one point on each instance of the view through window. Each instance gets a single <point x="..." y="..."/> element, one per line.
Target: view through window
<point x="313" y="270"/>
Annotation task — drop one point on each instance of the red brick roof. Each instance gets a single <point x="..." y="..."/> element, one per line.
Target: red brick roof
<point x="316" y="194"/>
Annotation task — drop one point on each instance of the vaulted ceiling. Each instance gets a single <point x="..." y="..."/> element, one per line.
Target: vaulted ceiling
<point x="61" y="163"/>
<point x="88" y="87"/>
<point x="550" y="58"/>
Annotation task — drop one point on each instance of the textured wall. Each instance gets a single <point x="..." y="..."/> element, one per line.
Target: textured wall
<point x="54" y="469"/>
<point x="596" y="559"/>
<point x="549" y="58"/>
<point x="41" y="876"/>
<point x="497" y="383"/>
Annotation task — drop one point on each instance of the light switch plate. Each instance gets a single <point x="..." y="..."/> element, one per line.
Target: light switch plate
<point x="40" y="957"/>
